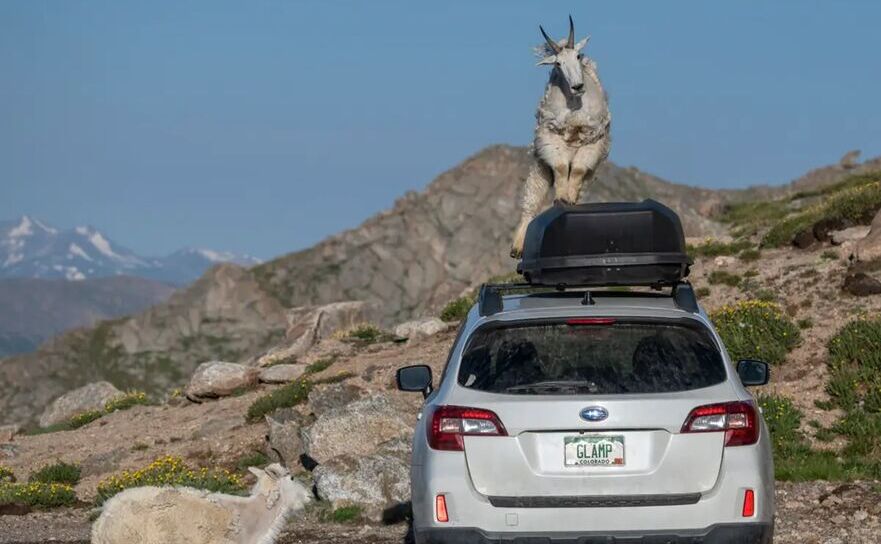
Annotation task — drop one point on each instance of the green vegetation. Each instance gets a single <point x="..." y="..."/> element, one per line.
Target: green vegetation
<point x="59" y="473"/>
<point x="457" y="309"/>
<point x="37" y="494"/>
<point x="717" y="277"/>
<point x="320" y="365"/>
<point x="746" y="218"/>
<point x="755" y="329"/>
<point x="855" y="386"/>
<point x="829" y="255"/>
<point x="750" y="255"/>
<point x="365" y="332"/>
<point x="81" y="420"/>
<point x="6" y="474"/>
<point x="805" y="323"/>
<point x="702" y="291"/>
<point x="855" y="200"/>
<point x="715" y="248"/>
<point x="126" y="401"/>
<point x="286" y="396"/>
<point x="253" y="459"/>
<point x="794" y="459"/>
<point x="172" y="471"/>
<point x="346" y="514"/>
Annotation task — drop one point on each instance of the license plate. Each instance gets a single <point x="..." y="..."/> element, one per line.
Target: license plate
<point x="594" y="450"/>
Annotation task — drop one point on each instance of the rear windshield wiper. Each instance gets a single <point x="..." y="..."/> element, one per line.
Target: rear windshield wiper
<point x="550" y="386"/>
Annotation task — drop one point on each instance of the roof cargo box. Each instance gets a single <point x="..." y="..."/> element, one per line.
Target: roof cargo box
<point x="626" y="243"/>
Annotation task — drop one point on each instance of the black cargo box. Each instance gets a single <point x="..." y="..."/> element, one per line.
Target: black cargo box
<point x="626" y="243"/>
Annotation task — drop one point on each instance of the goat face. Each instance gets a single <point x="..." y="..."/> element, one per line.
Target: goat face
<point x="276" y="477"/>
<point x="566" y="59"/>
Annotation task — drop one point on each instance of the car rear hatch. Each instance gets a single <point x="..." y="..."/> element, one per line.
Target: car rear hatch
<point x="593" y="412"/>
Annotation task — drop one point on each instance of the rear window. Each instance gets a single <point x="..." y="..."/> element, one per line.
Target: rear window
<point x="597" y="359"/>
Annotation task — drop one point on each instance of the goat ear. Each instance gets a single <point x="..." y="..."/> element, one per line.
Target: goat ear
<point x="580" y="45"/>
<point x="547" y="60"/>
<point x="276" y="472"/>
<point x="256" y="471"/>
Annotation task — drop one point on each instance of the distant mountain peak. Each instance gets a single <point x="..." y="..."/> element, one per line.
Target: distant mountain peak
<point x="30" y="248"/>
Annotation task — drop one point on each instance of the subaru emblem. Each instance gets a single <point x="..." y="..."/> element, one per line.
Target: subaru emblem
<point x="594" y="413"/>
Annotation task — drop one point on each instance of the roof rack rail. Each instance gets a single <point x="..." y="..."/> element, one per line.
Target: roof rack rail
<point x="490" y="301"/>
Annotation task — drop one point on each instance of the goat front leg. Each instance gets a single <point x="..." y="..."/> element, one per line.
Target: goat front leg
<point x="584" y="165"/>
<point x="534" y="192"/>
<point x="553" y="152"/>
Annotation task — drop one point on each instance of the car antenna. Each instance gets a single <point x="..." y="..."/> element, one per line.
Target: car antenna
<point x="588" y="299"/>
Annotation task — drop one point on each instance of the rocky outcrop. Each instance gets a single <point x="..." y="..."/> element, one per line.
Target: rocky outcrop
<point x="307" y="326"/>
<point x="375" y="482"/>
<point x="281" y="373"/>
<point x="284" y="440"/>
<point x="869" y="248"/>
<point x="357" y="428"/>
<point x="218" y="379"/>
<point x="223" y="316"/>
<point x="84" y="399"/>
<point x="420" y="328"/>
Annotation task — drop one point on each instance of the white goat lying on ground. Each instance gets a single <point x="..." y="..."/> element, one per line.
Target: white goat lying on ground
<point x="181" y="515"/>
<point x="572" y="130"/>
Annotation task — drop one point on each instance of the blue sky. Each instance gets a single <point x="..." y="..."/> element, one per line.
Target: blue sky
<point x="262" y="127"/>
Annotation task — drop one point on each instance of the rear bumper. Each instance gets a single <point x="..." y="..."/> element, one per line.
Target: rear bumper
<point x="743" y="533"/>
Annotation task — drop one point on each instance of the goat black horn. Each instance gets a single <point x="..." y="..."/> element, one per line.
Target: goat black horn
<point x="571" y="42"/>
<point x="551" y="43"/>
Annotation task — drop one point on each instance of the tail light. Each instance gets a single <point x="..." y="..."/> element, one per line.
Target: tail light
<point x="450" y="423"/>
<point x="440" y="507"/>
<point x="737" y="419"/>
<point x="749" y="503"/>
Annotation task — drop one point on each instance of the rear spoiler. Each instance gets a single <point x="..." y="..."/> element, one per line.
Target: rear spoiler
<point x="490" y="301"/>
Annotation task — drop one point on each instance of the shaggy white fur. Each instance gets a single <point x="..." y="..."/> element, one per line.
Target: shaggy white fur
<point x="181" y="515"/>
<point x="572" y="133"/>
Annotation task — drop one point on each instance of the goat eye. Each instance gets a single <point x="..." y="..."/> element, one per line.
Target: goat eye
<point x="579" y="56"/>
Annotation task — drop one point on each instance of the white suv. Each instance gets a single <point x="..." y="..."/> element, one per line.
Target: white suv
<point x="619" y="419"/>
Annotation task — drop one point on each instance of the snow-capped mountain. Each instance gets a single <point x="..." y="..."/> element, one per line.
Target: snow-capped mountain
<point x="30" y="248"/>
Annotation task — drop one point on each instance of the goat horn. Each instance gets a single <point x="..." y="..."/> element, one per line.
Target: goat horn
<point x="571" y="42"/>
<point x="551" y="43"/>
<point x="280" y="456"/>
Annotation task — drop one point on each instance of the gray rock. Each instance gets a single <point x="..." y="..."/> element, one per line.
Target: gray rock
<point x="374" y="482"/>
<point x="851" y="234"/>
<point x="869" y="248"/>
<point x="357" y="428"/>
<point x="284" y="436"/>
<point x="8" y="432"/>
<point x="281" y="373"/>
<point x="218" y="379"/>
<point x="84" y="399"/>
<point x="102" y="463"/>
<point x="329" y="397"/>
<point x="861" y="284"/>
<point x="308" y="325"/>
<point x="420" y="328"/>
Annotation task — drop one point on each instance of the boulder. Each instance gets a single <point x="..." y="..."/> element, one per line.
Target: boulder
<point x="420" y="328"/>
<point x="804" y="239"/>
<point x="84" y="399"/>
<point x="358" y="427"/>
<point x="851" y="234"/>
<point x="308" y="325"/>
<point x="284" y="436"/>
<point x="281" y="373"/>
<point x="375" y="482"/>
<point x="218" y="379"/>
<point x="724" y="260"/>
<point x="869" y="248"/>
<point x="329" y="397"/>
<point x="861" y="284"/>
<point x="8" y="432"/>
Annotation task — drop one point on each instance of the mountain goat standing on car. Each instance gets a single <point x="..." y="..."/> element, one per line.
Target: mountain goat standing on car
<point x="181" y="515"/>
<point x="572" y="131"/>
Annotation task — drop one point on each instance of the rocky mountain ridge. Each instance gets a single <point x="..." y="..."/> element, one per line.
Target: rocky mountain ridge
<point x="408" y="261"/>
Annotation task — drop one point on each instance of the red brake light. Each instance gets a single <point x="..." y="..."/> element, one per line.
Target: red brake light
<point x="749" y="503"/>
<point x="450" y="423"/>
<point x="738" y="419"/>
<point x="591" y="321"/>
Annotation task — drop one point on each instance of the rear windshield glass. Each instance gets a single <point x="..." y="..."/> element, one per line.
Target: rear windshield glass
<point x="613" y="358"/>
